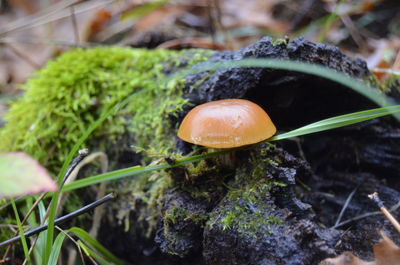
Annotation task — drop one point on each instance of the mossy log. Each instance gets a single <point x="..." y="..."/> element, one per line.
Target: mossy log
<point x="274" y="207"/>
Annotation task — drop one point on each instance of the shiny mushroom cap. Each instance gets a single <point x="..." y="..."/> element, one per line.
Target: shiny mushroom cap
<point x="226" y="123"/>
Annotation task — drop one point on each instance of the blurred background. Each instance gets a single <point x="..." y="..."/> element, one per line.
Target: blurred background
<point x="34" y="31"/>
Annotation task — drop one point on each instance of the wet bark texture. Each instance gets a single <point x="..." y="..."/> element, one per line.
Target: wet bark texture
<point x="319" y="171"/>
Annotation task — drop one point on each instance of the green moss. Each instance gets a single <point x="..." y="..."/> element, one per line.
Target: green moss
<point x="194" y="170"/>
<point x="64" y="98"/>
<point x="173" y="214"/>
<point x="389" y="86"/>
<point x="71" y="92"/>
<point x="280" y="41"/>
<point x="155" y="195"/>
<point x="247" y="207"/>
<point x="392" y="84"/>
<point x="179" y="224"/>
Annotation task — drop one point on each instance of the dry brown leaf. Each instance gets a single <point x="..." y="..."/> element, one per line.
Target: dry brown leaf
<point x="157" y="17"/>
<point x="31" y="40"/>
<point x="386" y="252"/>
<point x="253" y="13"/>
<point x="96" y="24"/>
<point x="29" y="7"/>
<point x="347" y="258"/>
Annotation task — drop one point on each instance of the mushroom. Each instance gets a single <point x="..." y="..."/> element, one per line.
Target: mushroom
<point x="226" y="123"/>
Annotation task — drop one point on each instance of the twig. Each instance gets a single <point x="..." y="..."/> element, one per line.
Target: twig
<point x="375" y="198"/>
<point x="354" y="32"/>
<point x="304" y="9"/>
<point x="82" y="154"/>
<point x="49" y="42"/>
<point x="384" y="70"/>
<point x="362" y="216"/>
<point x="75" y="162"/>
<point x="62" y="219"/>
<point x="396" y="64"/>
<point x="53" y="15"/>
<point x="212" y="20"/>
<point x="26" y="20"/>
<point x="98" y="212"/>
<point x="74" y="24"/>
<point x="218" y="23"/>
<point x="72" y="173"/>
<point x="23" y="56"/>
<point x="346" y="204"/>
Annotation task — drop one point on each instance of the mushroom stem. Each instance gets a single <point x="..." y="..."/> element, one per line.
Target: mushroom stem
<point x="227" y="160"/>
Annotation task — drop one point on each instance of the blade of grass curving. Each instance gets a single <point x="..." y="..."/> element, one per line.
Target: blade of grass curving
<point x="337" y="122"/>
<point x="74" y="150"/>
<point x="93" y="254"/>
<point x="318" y="70"/>
<point x="41" y="241"/>
<point x="323" y="125"/>
<point x="136" y="170"/>
<point x="90" y="241"/>
<point x="362" y="88"/>
<point x="55" y="251"/>
<point x="21" y="232"/>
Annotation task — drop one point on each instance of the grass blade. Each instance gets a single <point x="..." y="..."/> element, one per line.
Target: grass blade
<point x="41" y="241"/>
<point x="92" y="254"/>
<point x="317" y="70"/>
<point x="74" y="150"/>
<point x="90" y="241"/>
<point x="319" y="126"/>
<point x="55" y="252"/>
<point x="136" y="170"/>
<point x="339" y="121"/>
<point x="21" y="232"/>
<point x="362" y="88"/>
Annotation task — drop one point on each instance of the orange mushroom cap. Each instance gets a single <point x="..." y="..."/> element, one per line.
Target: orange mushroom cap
<point x="226" y="123"/>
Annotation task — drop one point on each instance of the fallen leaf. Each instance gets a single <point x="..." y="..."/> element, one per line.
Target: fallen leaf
<point x="157" y="17"/>
<point x="96" y="24"/>
<point x="253" y="13"/>
<point x="386" y="252"/>
<point x="20" y="174"/>
<point x="347" y="258"/>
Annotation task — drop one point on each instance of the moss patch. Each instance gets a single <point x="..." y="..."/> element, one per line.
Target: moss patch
<point x="64" y="98"/>
<point x="239" y="200"/>
<point x="247" y="206"/>
<point x="71" y="92"/>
